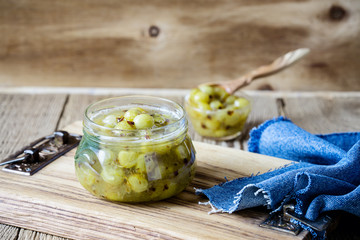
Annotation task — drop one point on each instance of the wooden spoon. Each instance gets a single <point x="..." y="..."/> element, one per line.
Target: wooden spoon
<point x="276" y="66"/>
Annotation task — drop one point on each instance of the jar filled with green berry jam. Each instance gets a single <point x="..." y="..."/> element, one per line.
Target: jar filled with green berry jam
<point x="135" y="149"/>
<point x="216" y="114"/>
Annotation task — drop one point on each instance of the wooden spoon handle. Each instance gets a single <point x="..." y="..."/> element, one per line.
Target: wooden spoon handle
<point x="276" y="66"/>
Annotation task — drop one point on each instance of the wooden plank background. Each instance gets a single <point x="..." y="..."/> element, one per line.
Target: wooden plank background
<point x="75" y="214"/>
<point x="177" y="44"/>
<point x="23" y="113"/>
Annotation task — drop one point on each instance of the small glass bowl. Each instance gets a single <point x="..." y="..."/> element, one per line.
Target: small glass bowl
<point x="135" y="165"/>
<point x="218" y="124"/>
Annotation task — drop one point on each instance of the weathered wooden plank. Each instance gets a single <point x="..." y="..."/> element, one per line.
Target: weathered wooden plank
<point x="341" y="112"/>
<point x="326" y="114"/>
<point x="75" y="213"/>
<point x="177" y="44"/>
<point x="26" y="117"/>
<point x="49" y="107"/>
<point x="75" y="107"/>
<point x="25" y="234"/>
<point x="8" y="232"/>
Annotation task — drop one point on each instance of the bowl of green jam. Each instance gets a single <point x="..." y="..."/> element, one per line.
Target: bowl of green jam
<point x="135" y="149"/>
<point x="216" y="114"/>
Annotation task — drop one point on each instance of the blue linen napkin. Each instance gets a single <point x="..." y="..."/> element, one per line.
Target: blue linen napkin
<point x="325" y="177"/>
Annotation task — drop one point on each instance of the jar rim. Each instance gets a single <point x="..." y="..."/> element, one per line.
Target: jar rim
<point x="136" y="100"/>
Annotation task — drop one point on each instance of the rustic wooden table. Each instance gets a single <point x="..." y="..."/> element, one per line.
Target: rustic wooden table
<point x="29" y="113"/>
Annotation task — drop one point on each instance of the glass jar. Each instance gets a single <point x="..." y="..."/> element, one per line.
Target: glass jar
<point x="216" y="114"/>
<point x="135" y="165"/>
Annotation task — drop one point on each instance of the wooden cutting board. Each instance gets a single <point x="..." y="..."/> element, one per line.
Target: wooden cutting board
<point x="53" y="201"/>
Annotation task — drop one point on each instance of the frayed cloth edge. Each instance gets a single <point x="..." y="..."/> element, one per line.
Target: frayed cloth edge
<point x="213" y="208"/>
<point x="198" y="191"/>
<point x="238" y="197"/>
<point x="266" y="196"/>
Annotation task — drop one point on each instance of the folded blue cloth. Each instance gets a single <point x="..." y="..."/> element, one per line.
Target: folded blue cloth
<point x="325" y="177"/>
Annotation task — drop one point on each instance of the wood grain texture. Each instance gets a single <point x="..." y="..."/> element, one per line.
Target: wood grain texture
<point x="75" y="107"/>
<point x="340" y="114"/>
<point x="54" y="196"/>
<point x="317" y="112"/>
<point x="25" y="234"/>
<point x="26" y="117"/>
<point x="8" y="232"/>
<point x="177" y="44"/>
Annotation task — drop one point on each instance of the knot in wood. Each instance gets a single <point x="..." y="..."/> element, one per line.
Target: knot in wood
<point x="154" y="31"/>
<point x="337" y="13"/>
